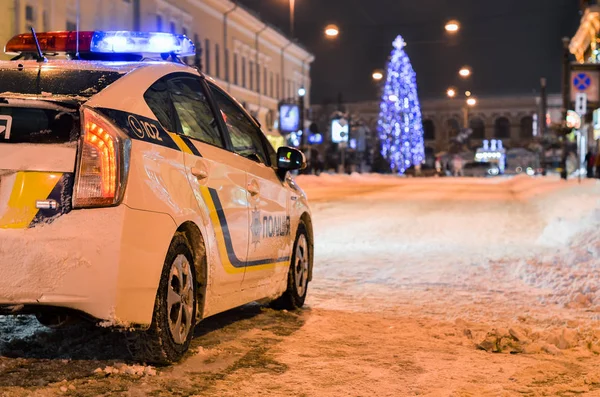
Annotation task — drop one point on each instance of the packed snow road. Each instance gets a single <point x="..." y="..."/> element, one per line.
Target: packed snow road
<point x="441" y="287"/>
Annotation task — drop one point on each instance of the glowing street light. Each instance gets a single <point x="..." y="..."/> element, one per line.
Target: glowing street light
<point x="471" y="101"/>
<point x="302" y="91"/>
<point x="332" y="31"/>
<point x="377" y="75"/>
<point x="452" y="26"/>
<point x="465" y="71"/>
<point x="467" y="93"/>
<point x="451" y="92"/>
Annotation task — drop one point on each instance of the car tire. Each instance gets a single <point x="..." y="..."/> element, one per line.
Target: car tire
<point x="297" y="283"/>
<point x="173" y="321"/>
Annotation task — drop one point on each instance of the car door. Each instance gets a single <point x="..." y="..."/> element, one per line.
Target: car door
<point x="217" y="180"/>
<point x="270" y="241"/>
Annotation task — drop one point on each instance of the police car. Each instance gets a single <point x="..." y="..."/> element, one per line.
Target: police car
<point x="135" y="192"/>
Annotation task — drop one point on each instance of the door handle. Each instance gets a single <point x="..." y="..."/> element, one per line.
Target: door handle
<point x="199" y="173"/>
<point x="253" y="188"/>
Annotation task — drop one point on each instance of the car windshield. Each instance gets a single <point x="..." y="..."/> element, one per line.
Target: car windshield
<point x="85" y="83"/>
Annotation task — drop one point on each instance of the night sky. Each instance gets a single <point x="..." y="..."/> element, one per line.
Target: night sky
<point x="509" y="44"/>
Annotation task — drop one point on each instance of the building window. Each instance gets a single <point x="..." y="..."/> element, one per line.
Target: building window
<point x="258" y="78"/>
<point x="71" y="26"/>
<point x="173" y="28"/>
<point x="277" y="82"/>
<point x="159" y="24"/>
<point x="227" y="76"/>
<point x="271" y="83"/>
<point x="526" y="131"/>
<point x="235" y="69"/>
<point x="29" y="13"/>
<point x="265" y="75"/>
<point x="198" y="57"/>
<point x="251" y="75"/>
<point x="428" y="130"/>
<point x="453" y="127"/>
<point x="207" y="56"/>
<point x="478" y="127"/>
<point x="218" y="61"/>
<point x="502" y="128"/>
<point x="290" y="93"/>
<point x="244" y="72"/>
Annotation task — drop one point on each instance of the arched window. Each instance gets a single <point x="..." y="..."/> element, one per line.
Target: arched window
<point x="453" y="127"/>
<point x="478" y="127"/>
<point x="502" y="128"/>
<point x="428" y="130"/>
<point x="526" y="131"/>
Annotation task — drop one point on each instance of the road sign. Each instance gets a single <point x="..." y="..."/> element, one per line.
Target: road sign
<point x="581" y="103"/>
<point x="585" y="81"/>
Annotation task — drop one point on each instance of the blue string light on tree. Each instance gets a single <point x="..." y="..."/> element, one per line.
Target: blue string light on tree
<point x="400" y="126"/>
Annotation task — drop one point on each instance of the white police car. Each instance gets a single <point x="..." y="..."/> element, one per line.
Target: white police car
<point x="138" y="193"/>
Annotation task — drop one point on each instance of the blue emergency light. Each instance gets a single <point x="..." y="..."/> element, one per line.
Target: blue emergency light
<point x="103" y="42"/>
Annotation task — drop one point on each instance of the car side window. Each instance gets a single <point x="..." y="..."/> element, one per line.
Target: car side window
<point x="194" y="114"/>
<point x="245" y="136"/>
<point x="158" y="100"/>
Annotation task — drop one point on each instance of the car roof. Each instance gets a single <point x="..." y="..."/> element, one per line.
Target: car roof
<point x="119" y="67"/>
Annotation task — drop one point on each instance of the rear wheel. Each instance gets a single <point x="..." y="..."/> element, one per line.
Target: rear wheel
<point x="170" y="333"/>
<point x="297" y="285"/>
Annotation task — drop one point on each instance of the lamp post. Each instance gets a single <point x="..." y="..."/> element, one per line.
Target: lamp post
<point x="292" y="13"/>
<point x="470" y="103"/>
<point x="301" y="103"/>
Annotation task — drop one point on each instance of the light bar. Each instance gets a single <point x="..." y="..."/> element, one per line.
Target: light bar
<point x="49" y="42"/>
<point x="126" y="42"/>
<point x="114" y="42"/>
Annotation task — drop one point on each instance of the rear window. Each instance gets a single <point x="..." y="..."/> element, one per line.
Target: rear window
<point x="55" y="81"/>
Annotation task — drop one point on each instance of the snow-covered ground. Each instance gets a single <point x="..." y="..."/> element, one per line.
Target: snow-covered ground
<point x="436" y="286"/>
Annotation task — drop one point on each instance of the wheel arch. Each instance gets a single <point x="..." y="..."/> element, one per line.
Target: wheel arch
<point x="307" y="221"/>
<point x="196" y="240"/>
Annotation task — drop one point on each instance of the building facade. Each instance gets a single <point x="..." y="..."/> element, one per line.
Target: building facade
<point x="510" y="118"/>
<point x="255" y="62"/>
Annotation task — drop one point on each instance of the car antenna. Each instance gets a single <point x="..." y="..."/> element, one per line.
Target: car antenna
<point x="40" y="56"/>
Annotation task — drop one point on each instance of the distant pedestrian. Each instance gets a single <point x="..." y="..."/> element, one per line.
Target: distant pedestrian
<point x="590" y="162"/>
<point x="457" y="164"/>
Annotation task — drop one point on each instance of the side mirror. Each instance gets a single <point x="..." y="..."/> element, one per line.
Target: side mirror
<point x="290" y="159"/>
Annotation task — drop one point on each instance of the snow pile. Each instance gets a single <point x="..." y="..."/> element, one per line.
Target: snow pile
<point x="137" y="370"/>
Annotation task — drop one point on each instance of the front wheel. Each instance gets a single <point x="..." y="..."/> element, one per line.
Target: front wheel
<point x="170" y="333"/>
<point x="297" y="284"/>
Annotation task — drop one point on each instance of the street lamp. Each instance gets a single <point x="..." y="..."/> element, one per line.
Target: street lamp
<point x="467" y="93"/>
<point x="332" y="31"/>
<point x="452" y="26"/>
<point x="302" y="92"/>
<point x="464" y="72"/>
<point x="377" y="75"/>
<point x="451" y="92"/>
<point x="471" y="102"/>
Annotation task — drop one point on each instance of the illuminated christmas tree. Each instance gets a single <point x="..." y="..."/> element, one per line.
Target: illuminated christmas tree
<point x="400" y="126"/>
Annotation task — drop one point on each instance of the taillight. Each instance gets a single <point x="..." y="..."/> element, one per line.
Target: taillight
<point x="103" y="162"/>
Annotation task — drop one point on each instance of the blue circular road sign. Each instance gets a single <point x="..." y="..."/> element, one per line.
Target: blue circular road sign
<point x="582" y="81"/>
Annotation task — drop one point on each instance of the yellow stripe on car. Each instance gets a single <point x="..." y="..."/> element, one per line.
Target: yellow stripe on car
<point x="180" y="143"/>
<point x="229" y="268"/>
<point x="28" y="188"/>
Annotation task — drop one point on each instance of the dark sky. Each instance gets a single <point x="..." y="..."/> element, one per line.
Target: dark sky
<point x="509" y="44"/>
